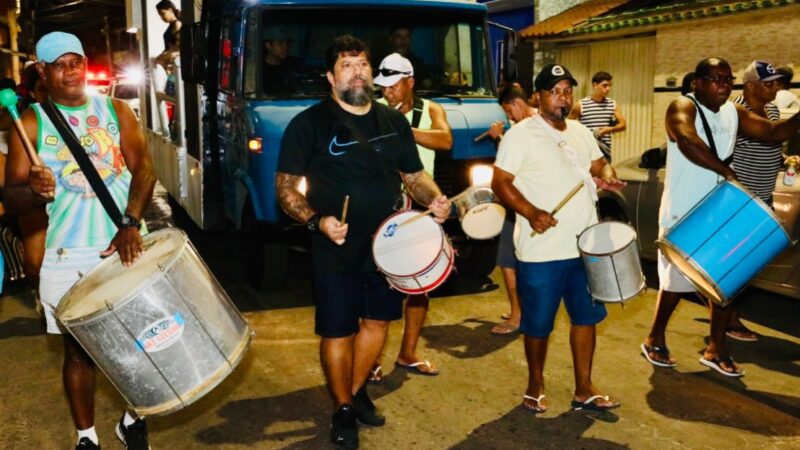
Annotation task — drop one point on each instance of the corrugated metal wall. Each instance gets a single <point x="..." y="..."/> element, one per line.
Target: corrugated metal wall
<point x="632" y="64"/>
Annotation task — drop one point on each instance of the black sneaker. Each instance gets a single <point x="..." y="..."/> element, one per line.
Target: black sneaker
<point x="134" y="436"/>
<point x="86" y="444"/>
<point x="344" y="429"/>
<point x="365" y="409"/>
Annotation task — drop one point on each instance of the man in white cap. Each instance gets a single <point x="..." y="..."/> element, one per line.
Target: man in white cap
<point x="431" y="134"/>
<point x="80" y="232"/>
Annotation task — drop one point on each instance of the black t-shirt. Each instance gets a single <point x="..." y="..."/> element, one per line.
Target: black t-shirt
<point x="281" y="78"/>
<point x="319" y="146"/>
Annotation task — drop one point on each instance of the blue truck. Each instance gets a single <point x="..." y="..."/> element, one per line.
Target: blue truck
<point x="214" y="122"/>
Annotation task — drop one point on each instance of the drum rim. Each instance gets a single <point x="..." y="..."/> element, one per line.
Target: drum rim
<point x="718" y="296"/>
<point x="642" y="287"/>
<point x="438" y="282"/>
<point x="633" y="241"/>
<point x="124" y="300"/>
<point x="442" y="243"/>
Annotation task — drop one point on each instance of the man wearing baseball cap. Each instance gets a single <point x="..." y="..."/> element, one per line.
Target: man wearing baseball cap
<point x="79" y="231"/>
<point x="431" y="134"/>
<point x="559" y="155"/>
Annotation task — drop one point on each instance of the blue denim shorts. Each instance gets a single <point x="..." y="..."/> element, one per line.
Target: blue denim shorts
<point x="542" y="285"/>
<point x="505" y="247"/>
<point x="342" y="299"/>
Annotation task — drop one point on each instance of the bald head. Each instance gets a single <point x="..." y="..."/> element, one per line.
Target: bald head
<point x="705" y="67"/>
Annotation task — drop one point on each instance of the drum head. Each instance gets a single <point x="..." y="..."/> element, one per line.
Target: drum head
<point x="484" y="221"/>
<point x="605" y="238"/>
<point x="111" y="283"/>
<point x="408" y="249"/>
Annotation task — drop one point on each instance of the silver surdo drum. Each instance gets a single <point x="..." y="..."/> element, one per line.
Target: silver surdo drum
<point x="610" y="255"/>
<point x="480" y="212"/>
<point x="163" y="330"/>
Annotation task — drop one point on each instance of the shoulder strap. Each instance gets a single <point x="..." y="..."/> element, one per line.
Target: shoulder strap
<point x="363" y="142"/>
<point x="86" y="165"/>
<point x="707" y="128"/>
<point x="416" y="118"/>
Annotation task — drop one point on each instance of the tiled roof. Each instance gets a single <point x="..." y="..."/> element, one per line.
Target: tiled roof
<point x="570" y="18"/>
<point x="640" y="14"/>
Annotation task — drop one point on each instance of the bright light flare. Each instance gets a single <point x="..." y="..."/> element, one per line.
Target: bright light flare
<point x="480" y="174"/>
<point x="134" y="74"/>
<point x="302" y="186"/>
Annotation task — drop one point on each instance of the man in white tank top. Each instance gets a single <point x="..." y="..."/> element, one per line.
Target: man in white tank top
<point x="693" y="170"/>
<point x="431" y="133"/>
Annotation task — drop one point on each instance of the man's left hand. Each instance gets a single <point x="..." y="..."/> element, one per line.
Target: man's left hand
<point x="602" y="131"/>
<point x="609" y="184"/>
<point x="128" y="243"/>
<point x="440" y="207"/>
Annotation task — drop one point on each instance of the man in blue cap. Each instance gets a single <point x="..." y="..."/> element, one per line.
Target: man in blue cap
<point x="80" y="232"/>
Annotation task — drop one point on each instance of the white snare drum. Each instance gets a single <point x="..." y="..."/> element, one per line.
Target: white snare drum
<point x="163" y="330"/>
<point x="480" y="212"/>
<point x="610" y="255"/>
<point x="415" y="258"/>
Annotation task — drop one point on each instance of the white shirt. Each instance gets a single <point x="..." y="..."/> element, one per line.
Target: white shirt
<point x="544" y="174"/>
<point x="687" y="183"/>
<point x="785" y="99"/>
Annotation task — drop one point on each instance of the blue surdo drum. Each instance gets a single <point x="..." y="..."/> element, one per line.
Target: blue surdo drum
<point x="724" y="241"/>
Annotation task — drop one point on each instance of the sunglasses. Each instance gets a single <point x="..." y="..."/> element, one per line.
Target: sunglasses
<point x="390" y="72"/>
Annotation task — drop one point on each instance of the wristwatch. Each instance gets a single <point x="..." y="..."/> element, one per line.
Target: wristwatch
<point x="313" y="223"/>
<point x="130" y="221"/>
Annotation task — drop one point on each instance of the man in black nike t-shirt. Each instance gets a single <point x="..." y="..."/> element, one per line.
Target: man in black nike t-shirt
<point x="354" y="303"/>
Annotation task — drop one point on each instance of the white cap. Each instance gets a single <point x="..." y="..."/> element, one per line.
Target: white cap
<point x="393" y="68"/>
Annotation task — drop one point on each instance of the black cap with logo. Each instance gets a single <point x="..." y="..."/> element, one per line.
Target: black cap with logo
<point x="552" y="74"/>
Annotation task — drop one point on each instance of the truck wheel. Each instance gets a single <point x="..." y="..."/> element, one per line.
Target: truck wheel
<point x="265" y="264"/>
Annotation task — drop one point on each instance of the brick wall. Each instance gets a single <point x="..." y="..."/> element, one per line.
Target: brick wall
<point x="549" y="8"/>
<point x="771" y="35"/>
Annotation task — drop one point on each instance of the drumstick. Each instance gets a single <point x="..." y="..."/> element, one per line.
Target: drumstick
<point x="429" y="210"/>
<point x="563" y="202"/>
<point x="481" y="136"/>
<point x="344" y="209"/>
<point x="9" y="99"/>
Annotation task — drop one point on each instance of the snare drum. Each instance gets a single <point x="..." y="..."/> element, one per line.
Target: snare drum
<point x="724" y="241"/>
<point x="163" y="330"/>
<point x="416" y="257"/>
<point x="610" y="254"/>
<point x="480" y="212"/>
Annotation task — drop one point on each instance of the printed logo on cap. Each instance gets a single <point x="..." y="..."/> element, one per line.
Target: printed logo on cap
<point x="770" y="68"/>
<point x="557" y="71"/>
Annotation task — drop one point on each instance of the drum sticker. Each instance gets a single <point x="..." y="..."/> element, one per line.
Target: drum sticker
<point x="160" y="334"/>
<point x="390" y="230"/>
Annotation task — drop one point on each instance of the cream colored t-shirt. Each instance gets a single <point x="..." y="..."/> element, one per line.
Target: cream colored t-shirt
<point x="544" y="174"/>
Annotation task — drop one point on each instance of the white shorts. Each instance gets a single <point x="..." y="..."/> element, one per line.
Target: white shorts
<point x="670" y="278"/>
<point x="59" y="273"/>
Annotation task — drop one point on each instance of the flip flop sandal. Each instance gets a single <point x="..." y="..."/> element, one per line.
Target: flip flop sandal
<point x="534" y="409"/>
<point x="504" y="328"/>
<point x="716" y="364"/>
<point x="743" y="334"/>
<point x="660" y="351"/>
<point x="376" y="375"/>
<point x="590" y="405"/>
<point x="415" y="367"/>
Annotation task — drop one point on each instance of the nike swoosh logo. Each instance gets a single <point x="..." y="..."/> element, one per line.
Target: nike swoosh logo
<point x="336" y="145"/>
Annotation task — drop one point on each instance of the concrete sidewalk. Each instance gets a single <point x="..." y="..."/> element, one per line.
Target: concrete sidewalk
<point x="277" y="399"/>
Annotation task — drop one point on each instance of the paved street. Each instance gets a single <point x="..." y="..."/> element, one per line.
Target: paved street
<point x="276" y="398"/>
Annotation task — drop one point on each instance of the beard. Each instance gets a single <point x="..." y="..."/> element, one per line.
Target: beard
<point x="356" y="96"/>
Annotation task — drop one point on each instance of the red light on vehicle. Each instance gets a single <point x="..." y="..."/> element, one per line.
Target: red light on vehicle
<point x="254" y="144"/>
<point x="102" y="75"/>
<point x="90" y="75"/>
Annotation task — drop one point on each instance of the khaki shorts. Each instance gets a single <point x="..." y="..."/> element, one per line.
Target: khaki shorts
<point x="670" y="278"/>
<point x="59" y="273"/>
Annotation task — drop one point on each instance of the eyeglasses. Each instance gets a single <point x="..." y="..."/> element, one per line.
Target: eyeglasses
<point x="720" y="80"/>
<point x="390" y="72"/>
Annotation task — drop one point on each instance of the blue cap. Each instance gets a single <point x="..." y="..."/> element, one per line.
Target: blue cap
<point x="52" y="45"/>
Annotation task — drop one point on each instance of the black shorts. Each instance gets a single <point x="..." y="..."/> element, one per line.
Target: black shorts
<point x="344" y="298"/>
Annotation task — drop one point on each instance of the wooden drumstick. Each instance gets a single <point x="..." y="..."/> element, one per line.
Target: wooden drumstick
<point x="344" y="209"/>
<point x="481" y="136"/>
<point x="563" y="202"/>
<point x="429" y="210"/>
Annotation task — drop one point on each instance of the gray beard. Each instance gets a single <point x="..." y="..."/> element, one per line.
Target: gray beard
<point x="357" y="97"/>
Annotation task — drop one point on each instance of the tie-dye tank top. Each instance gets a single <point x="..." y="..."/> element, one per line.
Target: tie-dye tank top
<point x="77" y="218"/>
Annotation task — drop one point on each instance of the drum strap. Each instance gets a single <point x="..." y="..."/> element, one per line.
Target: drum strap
<point x="358" y="135"/>
<point x="416" y="118"/>
<point x="86" y="165"/>
<point x="588" y="183"/>
<point x="707" y="128"/>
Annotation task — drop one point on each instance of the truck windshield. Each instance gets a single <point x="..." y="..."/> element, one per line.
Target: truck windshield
<point x="447" y="48"/>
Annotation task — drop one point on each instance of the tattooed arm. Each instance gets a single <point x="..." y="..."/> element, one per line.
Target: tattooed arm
<point x="295" y="204"/>
<point x="292" y="201"/>
<point x="426" y="192"/>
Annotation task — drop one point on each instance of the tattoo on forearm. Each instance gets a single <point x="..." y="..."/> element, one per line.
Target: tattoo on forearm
<point x="421" y="187"/>
<point x="292" y="201"/>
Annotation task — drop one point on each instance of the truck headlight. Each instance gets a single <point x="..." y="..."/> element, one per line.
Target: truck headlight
<point x="480" y="174"/>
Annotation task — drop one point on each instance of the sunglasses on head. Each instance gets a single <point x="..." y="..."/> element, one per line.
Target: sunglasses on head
<point x="390" y="72"/>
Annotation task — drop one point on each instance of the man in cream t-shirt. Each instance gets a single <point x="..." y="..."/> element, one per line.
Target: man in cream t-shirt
<point x="540" y="160"/>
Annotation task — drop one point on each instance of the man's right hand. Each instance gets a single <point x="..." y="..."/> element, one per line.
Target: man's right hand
<point x="541" y="221"/>
<point x="497" y="129"/>
<point x="42" y="181"/>
<point x="334" y="230"/>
